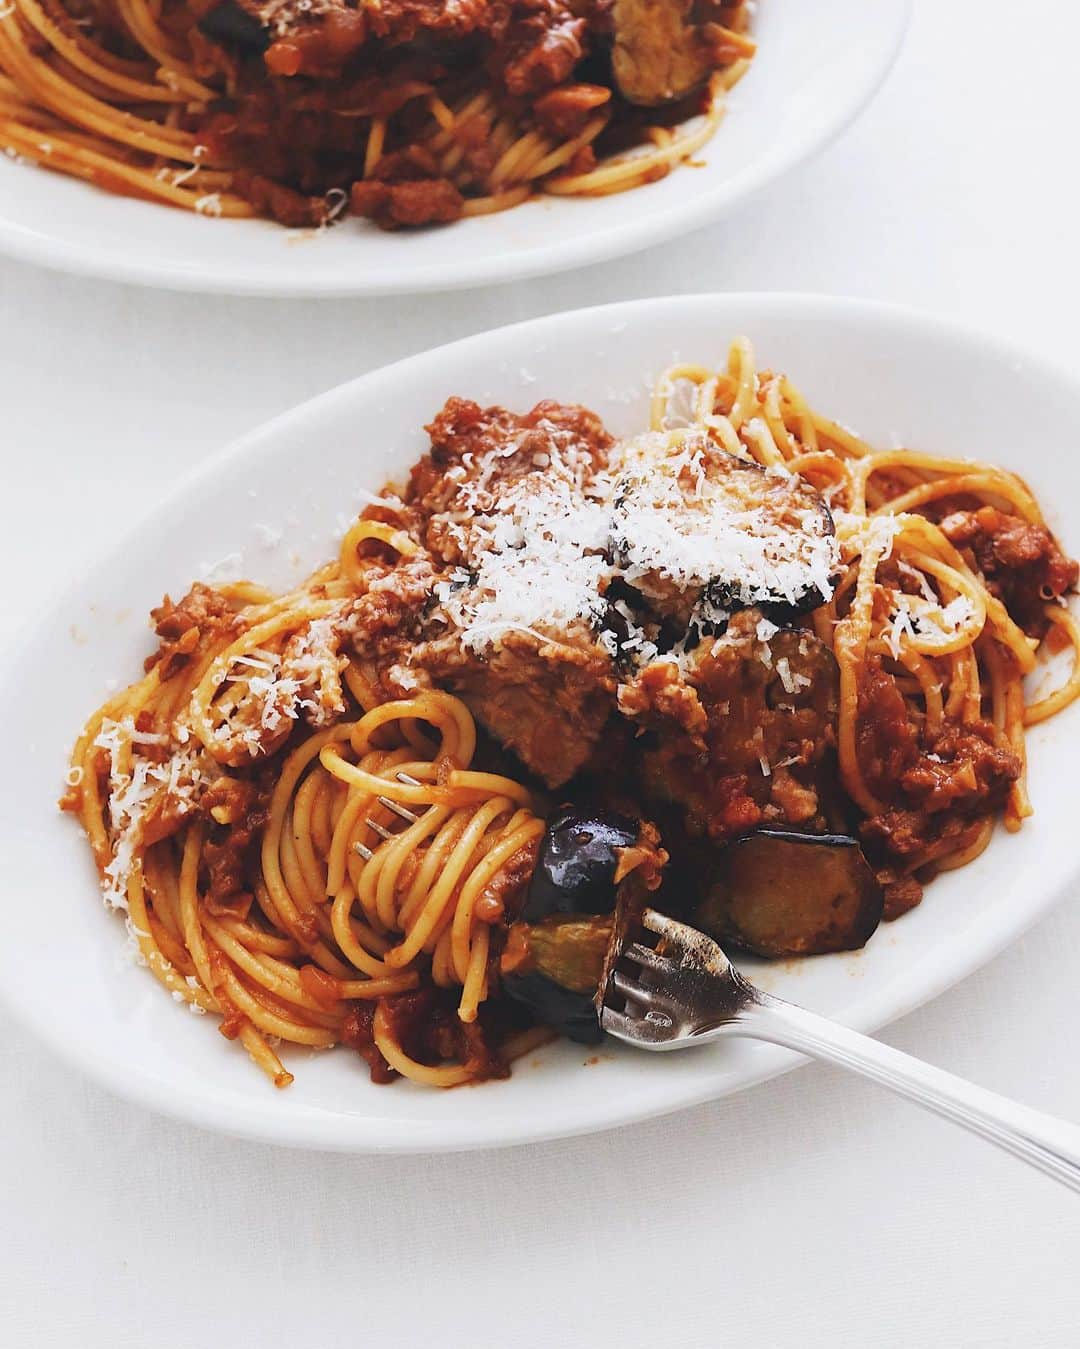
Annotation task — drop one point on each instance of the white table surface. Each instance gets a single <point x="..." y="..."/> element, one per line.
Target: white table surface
<point x="814" y="1211"/>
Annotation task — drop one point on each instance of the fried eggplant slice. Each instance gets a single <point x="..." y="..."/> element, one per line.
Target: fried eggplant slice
<point x="701" y="534"/>
<point x="658" y="54"/>
<point x="554" y="968"/>
<point x="777" y="893"/>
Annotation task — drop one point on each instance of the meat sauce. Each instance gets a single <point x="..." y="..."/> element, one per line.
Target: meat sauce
<point x="426" y="1026"/>
<point x="236" y="811"/>
<point x="298" y="116"/>
<point x="936" y="788"/>
<point x="307" y="80"/>
<point x="548" y="700"/>
<point x="1020" y="562"/>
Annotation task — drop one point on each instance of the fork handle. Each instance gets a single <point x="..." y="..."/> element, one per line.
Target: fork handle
<point x="1052" y="1145"/>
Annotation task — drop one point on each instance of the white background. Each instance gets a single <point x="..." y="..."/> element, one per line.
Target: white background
<point x="814" y="1211"/>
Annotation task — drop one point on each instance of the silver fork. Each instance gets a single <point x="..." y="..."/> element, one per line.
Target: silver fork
<point x="675" y="988"/>
<point x="395" y="808"/>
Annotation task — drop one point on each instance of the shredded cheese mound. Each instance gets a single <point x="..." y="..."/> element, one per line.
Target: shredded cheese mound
<point x="909" y="622"/>
<point x="683" y="515"/>
<point x="543" y="540"/>
<point x="534" y="549"/>
<point x="134" y="791"/>
<point x="314" y="659"/>
<point x="274" y="688"/>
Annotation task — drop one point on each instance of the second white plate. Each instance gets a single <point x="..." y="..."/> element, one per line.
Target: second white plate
<point x="816" y="67"/>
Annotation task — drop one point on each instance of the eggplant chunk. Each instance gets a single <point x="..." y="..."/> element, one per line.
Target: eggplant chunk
<point x="658" y="54"/>
<point x="701" y="534"/>
<point x="575" y="869"/>
<point x="232" y="26"/>
<point x="777" y="893"/>
<point x="554" y="967"/>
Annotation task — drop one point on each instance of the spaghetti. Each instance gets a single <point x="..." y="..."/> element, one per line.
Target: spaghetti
<point x="311" y="837"/>
<point x="409" y="114"/>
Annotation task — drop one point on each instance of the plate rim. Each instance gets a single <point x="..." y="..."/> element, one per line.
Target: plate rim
<point x="323" y="1128"/>
<point x="627" y="236"/>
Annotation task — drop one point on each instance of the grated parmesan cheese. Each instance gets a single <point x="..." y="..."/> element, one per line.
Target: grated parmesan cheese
<point x="673" y="523"/>
<point x="542" y="546"/>
<point x="905" y="623"/>
<point x="133" y="791"/>
<point x="535" y="551"/>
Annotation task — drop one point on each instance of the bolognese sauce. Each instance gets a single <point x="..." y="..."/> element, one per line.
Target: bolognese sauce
<point x="407" y="113"/>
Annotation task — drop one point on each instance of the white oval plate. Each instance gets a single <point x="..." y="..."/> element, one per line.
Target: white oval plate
<point x="817" y="65"/>
<point x="894" y="376"/>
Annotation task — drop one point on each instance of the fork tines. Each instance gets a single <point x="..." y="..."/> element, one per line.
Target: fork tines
<point x="662" y="996"/>
<point x="395" y="808"/>
<point x="398" y="809"/>
<point x="647" y="957"/>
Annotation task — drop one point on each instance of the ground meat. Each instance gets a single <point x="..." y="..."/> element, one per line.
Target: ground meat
<point x="477" y="453"/>
<point x="462" y="426"/>
<point x="1020" y="562"/>
<point x="797" y="803"/>
<point x="405" y="189"/>
<point x="281" y="203"/>
<point x="564" y="112"/>
<point x="886" y="741"/>
<point x="738" y="734"/>
<point x="407" y="203"/>
<point x="901" y="896"/>
<point x="933" y="788"/>
<point x="661" y="694"/>
<point x="182" y="627"/>
<point x="312" y="657"/>
<point x="385" y="619"/>
<point x="470" y="443"/>
<point x="537" y="47"/>
<point x="324" y="34"/>
<point x="236" y="810"/>
<point x="478" y="151"/>
<point x="401" y="20"/>
<point x="505" y="892"/>
<point x="963" y="766"/>
<point x="273" y="131"/>
<point x="547" y="702"/>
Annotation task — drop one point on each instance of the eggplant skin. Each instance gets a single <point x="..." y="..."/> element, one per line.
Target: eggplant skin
<point x="571" y="1014"/>
<point x="575" y="869"/>
<point x="231" y="26"/>
<point x="789" y="506"/>
<point x="777" y="893"/>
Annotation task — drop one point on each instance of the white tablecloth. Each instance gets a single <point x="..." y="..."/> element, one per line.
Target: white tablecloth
<point x="815" y="1211"/>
